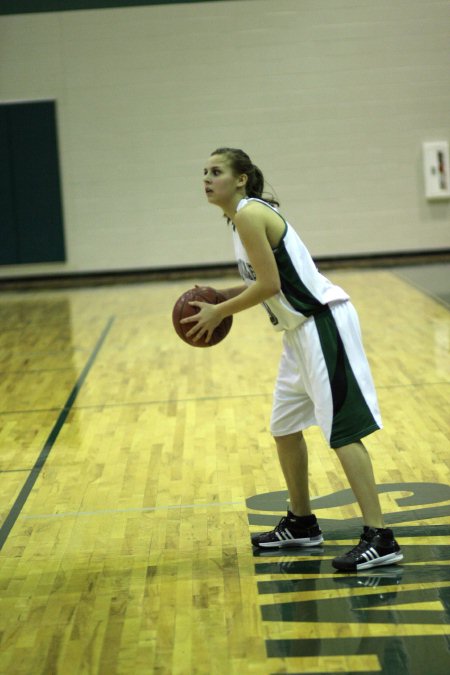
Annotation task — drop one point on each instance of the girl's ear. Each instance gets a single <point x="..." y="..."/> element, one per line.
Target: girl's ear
<point x="242" y="180"/>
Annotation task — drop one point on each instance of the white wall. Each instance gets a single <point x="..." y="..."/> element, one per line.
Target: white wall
<point x="332" y="98"/>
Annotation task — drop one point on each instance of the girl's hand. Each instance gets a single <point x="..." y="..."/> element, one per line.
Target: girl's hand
<point x="206" y="320"/>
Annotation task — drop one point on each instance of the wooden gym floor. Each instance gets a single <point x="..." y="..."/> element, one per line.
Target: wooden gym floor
<point x="134" y="467"/>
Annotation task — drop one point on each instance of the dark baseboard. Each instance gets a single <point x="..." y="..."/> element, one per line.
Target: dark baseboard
<point x="195" y="272"/>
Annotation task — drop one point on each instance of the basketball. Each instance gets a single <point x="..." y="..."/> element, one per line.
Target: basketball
<point x="182" y="309"/>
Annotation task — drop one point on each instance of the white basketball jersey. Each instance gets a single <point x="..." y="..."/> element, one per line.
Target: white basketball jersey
<point x="304" y="291"/>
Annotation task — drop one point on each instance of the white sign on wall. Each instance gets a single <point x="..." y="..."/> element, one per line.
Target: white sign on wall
<point x="436" y="170"/>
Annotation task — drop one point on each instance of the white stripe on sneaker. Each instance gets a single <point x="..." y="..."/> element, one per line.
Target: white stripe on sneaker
<point x="388" y="559"/>
<point x="370" y="554"/>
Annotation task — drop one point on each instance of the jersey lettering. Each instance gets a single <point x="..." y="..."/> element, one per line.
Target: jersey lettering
<point x="273" y="319"/>
<point x="246" y="270"/>
<point x="248" y="274"/>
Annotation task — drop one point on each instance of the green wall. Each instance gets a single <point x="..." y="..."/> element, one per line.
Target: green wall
<point x="31" y="225"/>
<point x="34" y="6"/>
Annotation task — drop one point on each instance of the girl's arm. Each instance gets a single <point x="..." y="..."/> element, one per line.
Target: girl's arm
<point x="233" y="292"/>
<point x="252" y="232"/>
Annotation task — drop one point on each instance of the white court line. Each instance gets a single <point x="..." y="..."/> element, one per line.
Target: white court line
<point x="144" y="509"/>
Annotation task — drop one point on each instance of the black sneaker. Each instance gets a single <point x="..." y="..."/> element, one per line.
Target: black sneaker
<point x="376" y="547"/>
<point x="291" y="531"/>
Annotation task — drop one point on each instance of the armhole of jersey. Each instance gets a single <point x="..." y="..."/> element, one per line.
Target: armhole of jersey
<point x="261" y="201"/>
<point x="275" y="249"/>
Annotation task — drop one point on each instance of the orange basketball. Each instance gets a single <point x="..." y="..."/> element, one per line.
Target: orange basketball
<point x="182" y="309"/>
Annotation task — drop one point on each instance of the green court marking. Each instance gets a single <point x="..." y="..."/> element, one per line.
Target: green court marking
<point x="38" y="466"/>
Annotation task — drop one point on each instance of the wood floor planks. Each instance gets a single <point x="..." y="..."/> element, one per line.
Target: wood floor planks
<point x="131" y="553"/>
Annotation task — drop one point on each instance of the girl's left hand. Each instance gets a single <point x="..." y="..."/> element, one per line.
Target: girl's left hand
<point x="206" y="320"/>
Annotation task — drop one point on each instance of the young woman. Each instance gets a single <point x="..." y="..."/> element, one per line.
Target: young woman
<point x="324" y="377"/>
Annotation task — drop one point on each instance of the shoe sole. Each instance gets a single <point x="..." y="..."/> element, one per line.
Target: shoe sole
<point x="290" y="543"/>
<point x="390" y="559"/>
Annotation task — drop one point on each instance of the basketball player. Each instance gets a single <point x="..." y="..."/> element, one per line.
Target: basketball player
<point x="324" y="377"/>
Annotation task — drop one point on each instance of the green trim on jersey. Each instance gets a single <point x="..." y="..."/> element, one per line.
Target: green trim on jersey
<point x="299" y="296"/>
<point x="272" y="208"/>
<point x="352" y="418"/>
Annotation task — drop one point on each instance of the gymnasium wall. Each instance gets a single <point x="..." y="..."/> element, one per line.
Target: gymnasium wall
<point x="332" y="98"/>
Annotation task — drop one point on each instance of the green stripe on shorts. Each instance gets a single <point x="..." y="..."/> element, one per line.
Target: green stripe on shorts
<point x="352" y="418"/>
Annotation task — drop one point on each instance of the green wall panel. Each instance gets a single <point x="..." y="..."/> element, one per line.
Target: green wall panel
<point x="34" y="6"/>
<point x="9" y="252"/>
<point x="32" y="221"/>
<point x="36" y="179"/>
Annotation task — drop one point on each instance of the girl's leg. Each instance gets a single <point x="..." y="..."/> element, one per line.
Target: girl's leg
<point x="357" y="465"/>
<point x="301" y="528"/>
<point x="293" y="456"/>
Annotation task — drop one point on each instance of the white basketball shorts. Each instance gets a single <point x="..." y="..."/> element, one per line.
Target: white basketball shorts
<point x="324" y="379"/>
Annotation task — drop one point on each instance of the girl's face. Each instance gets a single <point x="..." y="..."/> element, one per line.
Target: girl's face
<point x="222" y="187"/>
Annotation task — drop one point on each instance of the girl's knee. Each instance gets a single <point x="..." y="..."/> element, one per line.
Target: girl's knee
<point x="297" y="436"/>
